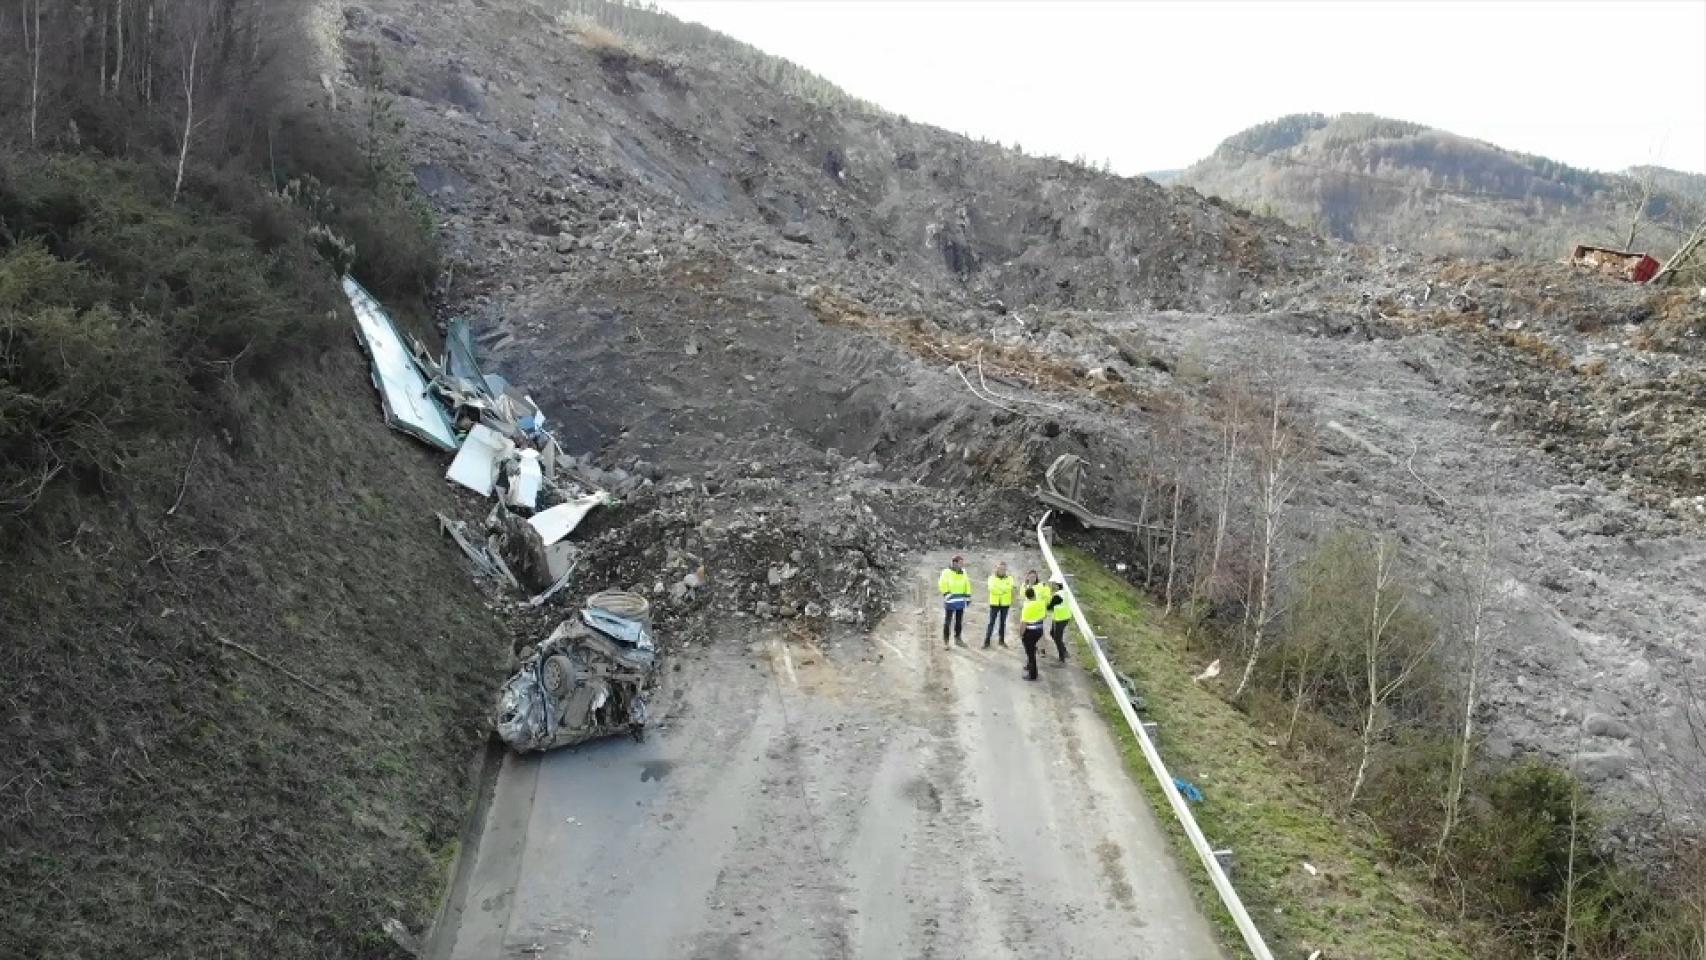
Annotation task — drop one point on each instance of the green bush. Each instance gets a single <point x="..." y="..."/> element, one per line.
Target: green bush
<point x="1406" y="789"/>
<point x="363" y="194"/>
<point x="77" y="387"/>
<point x="121" y="313"/>
<point x="1521" y="855"/>
<point x="396" y="253"/>
<point x="1521" y="840"/>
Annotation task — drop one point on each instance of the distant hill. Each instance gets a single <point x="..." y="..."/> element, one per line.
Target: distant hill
<point x="1375" y="180"/>
<point x="1165" y="177"/>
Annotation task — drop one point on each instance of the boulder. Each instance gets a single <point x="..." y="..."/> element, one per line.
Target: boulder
<point x="1601" y="766"/>
<point x="1605" y="725"/>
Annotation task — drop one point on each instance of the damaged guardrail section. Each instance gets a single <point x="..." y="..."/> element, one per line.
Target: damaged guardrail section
<point x="1157" y="766"/>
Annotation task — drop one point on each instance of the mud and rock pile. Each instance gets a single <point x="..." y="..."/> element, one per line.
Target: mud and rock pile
<point x="837" y="336"/>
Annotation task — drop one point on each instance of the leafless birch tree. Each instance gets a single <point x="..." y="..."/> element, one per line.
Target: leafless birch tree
<point x="195" y="19"/>
<point x="30" y="13"/>
<point x="1226" y="471"/>
<point x="1276" y="481"/>
<point x="1174" y="466"/>
<point x="1472" y="629"/>
<point x="1386" y="666"/>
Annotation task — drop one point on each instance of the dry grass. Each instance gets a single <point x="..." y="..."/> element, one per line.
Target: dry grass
<point x="1010" y="362"/>
<point x="598" y="38"/>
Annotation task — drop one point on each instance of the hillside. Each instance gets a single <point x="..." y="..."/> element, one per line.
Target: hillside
<point x="780" y="288"/>
<point x="242" y="677"/>
<point x="246" y="675"/>
<point x="1375" y="180"/>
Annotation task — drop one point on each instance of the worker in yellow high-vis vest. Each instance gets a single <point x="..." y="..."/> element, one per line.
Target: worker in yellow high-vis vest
<point x="1031" y="617"/>
<point x="1061" y="605"/>
<point x="1043" y="591"/>
<point x="955" y="587"/>
<point x="1000" y="601"/>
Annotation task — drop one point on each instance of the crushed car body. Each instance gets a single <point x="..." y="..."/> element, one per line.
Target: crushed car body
<point x="588" y="679"/>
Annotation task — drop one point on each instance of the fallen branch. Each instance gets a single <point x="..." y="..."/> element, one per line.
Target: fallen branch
<point x="1359" y="440"/>
<point x="1683" y="254"/>
<point x="1410" y="465"/>
<point x="322" y="691"/>
<point x="184" y="484"/>
<point x="22" y="505"/>
<point x="985" y="384"/>
<point x="969" y="386"/>
<point x="221" y="894"/>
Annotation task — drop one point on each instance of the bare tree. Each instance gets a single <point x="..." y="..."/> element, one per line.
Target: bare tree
<point x="1171" y="454"/>
<point x="1685" y="253"/>
<point x="195" y="21"/>
<point x="1306" y="653"/>
<point x="1571" y="881"/>
<point x="1637" y="191"/>
<point x="1276" y="481"/>
<point x="32" y="50"/>
<point x="147" y="55"/>
<point x="1173" y="533"/>
<point x="1386" y="663"/>
<point x="1472" y="635"/>
<point x="118" y="45"/>
<point x="101" y="54"/>
<point x="1231" y="439"/>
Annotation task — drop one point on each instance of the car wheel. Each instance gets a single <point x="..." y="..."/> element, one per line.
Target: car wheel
<point x="556" y="674"/>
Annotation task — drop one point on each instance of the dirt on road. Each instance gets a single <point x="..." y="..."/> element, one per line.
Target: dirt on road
<point x="809" y="796"/>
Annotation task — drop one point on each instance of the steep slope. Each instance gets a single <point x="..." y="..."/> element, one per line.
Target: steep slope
<point x="713" y="269"/>
<point x="251" y="728"/>
<point x="1375" y="180"/>
<point x="242" y="678"/>
<point x="833" y="337"/>
<point x="632" y="136"/>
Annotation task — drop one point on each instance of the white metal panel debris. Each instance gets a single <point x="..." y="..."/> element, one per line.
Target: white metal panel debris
<point x="561" y="520"/>
<point x="476" y="464"/>
<point x="402" y="388"/>
<point x="524" y="486"/>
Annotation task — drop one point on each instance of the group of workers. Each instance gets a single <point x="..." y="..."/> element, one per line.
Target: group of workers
<point x="1041" y="602"/>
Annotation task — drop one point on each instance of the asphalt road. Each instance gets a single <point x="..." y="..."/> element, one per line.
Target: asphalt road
<point x="881" y="797"/>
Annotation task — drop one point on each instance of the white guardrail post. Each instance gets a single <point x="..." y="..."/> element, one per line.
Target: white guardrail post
<point x="1222" y="883"/>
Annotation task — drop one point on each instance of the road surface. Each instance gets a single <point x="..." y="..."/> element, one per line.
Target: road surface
<point x="878" y="797"/>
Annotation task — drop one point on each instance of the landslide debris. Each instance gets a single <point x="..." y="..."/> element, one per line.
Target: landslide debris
<point x="711" y="269"/>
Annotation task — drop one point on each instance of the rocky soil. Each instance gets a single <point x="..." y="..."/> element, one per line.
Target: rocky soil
<point x="834" y="337"/>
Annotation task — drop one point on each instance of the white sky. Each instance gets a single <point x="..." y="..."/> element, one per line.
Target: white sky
<point x="1156" y="85"/>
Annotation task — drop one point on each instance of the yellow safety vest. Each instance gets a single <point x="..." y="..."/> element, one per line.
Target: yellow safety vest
<point x="1063" y="609"/>
<point x="1000" y="591"/>
<point x="951" y="582"/>
<point x="1043" y="593"/>
<point x="1034" y="609"/>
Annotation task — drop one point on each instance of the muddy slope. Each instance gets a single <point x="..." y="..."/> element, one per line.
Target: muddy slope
<point x="783" y="306"/>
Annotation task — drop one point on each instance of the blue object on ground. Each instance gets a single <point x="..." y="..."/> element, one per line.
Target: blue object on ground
<point x="1189" y="789"/>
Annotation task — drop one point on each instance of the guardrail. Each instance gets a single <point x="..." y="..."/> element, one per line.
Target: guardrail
<point x="1181" y="810"/>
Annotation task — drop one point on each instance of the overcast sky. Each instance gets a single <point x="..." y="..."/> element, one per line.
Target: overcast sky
<point x="1155" y="85"/>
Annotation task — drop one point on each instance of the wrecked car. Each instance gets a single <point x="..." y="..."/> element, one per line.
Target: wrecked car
<point x="588" y="679"/>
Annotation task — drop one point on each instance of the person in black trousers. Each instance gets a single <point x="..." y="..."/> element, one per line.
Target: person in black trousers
<point x="1061" y="609"/>
<point x="1031" y="618"/>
